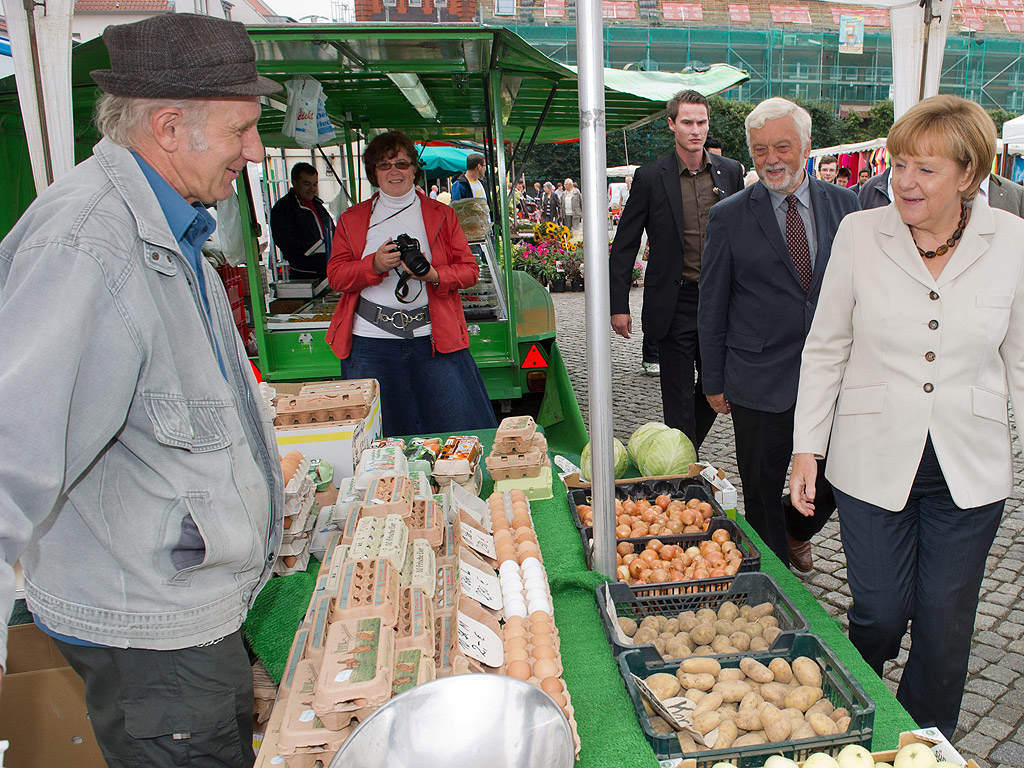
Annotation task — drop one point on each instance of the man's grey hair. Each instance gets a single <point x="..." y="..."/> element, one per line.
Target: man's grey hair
<point x="774" y="108"/>
<point x="125" y="120"/>
<point x="548" y="185"/>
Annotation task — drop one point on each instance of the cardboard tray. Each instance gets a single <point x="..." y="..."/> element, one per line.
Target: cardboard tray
<point x="617" y="599"/>
<point x="681" y="488"/>
<point x="839" y="686"/>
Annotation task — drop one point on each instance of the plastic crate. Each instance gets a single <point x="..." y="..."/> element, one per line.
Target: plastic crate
<point x="751" y="557"/>
<point x="617" y="599"/>
<point x="838" y="685"/>
<point x="682" y="488"/>
<point x="238" y="311"/>
<point x="234" y="277"/>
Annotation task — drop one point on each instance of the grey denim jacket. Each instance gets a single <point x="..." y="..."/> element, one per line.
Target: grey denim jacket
<point x="119" y="435"/>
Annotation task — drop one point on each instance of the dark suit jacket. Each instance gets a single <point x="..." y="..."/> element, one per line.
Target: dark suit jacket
<point x="655" y="204"/>
<point x="754" y="313"/>
<point x="1002" y="193"/>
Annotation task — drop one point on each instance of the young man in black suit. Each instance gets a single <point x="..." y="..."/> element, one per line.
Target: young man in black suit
<point x="767" y="248"/>
<point x="671" y="198"/>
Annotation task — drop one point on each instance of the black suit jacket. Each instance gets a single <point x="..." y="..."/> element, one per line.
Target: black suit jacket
<point x="656" y="204"/>
<point x="754" y="314"/>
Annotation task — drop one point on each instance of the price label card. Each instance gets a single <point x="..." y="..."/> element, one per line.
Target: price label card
<point x="479" y="642"/>
<point x="480" y="541"/>
<point x="677" y="711"/>
<point x="481" y="586"/>
<point x="710" y="474"/>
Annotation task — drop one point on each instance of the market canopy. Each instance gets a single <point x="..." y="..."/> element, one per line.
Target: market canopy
<point x="436" y="161"/>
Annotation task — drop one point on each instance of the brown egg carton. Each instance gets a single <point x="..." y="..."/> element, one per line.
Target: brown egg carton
<point x="297" y="509"/>
<point x="416" y="622"/>
<point x="365" y="388"/>
<point x="450" y="660"/>
<point x="426" y="521"/>
<point x="446" y="591"/>
<point x="302" y="729"/>
<point x="264" y="692"/>
<point x="368" y="588"/>
<point x="412" y="668"/>
<point x="388" y="495"/>
<point x="514" y="432"/>
<point x="320" y="408"/>
<point x="316" y="639"/>
<point x="459" y="458"/>
<point x="512" y="466"/>
<point x="356" y="671"/>
<point x="288" y="564"/>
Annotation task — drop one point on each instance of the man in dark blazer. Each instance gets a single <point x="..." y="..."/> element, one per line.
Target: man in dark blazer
<point x="671" y="199"/>
<point x="767" y="248"/>
<point x="1000" y="192"/>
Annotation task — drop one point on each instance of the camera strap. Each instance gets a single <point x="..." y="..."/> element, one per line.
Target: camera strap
<point x="397" y="322"/>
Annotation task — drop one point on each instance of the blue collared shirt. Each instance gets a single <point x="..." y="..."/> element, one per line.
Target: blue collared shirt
<point x="803" y="197"/>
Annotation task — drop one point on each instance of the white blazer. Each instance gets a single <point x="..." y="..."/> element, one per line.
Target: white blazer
<point x="893" y="355"/>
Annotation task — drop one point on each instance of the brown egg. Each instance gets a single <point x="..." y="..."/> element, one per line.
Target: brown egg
<point x="502" y="535"/>
<point x="518" y="495"/>
<point x="515" y="641"/>
<point x="540" y="616"/>
<point x="518" y="669"/>
<point x="514" y="621"/>
<point x="545" y="668"/>
<point x="542" y="640"/>
<point x="524" y="534"/>
<point x="521" y="520"/>
<point x="544" y="651"/>
<point x="552" y="686"/>
<point x="540" y="628"/>
<point x="505" y="550"/>
<point x="516" y="654"/>
<point x="528" y="549"/>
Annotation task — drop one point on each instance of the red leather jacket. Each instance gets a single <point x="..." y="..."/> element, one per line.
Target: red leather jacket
<point x="349" y="272"/>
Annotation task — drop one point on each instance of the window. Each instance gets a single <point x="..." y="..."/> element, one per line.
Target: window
<point x="504" y="7"/>
<point x="202" y="6"/>
<point x="226" y="7"/>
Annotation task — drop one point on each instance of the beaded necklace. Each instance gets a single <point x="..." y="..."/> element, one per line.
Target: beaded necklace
<point x="957" y="234"/>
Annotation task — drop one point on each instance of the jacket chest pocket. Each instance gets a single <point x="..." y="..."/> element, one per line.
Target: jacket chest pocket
<point x="195" y="425"/>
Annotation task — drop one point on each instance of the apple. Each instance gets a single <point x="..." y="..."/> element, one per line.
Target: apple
<point x="778" y="761"/>
<point x="820" y="760"/>
<point x="914" y="756"/>
<point x="855" y="756"/>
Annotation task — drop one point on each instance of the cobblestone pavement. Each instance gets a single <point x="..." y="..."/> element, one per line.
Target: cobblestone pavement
<point x="991" y="728"/>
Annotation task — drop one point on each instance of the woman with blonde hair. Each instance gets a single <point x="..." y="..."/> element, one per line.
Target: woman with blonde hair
<point x="916" y="346"/>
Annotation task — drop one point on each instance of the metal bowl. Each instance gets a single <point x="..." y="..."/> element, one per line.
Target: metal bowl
<point x="459" y="721"/>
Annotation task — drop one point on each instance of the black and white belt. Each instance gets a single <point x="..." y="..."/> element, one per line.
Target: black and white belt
<point x="397" y="322"/>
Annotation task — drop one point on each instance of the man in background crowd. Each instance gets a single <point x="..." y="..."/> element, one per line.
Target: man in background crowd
<point x="843" y="176"/>
<point x="469" y="184"/>
<point x="302" y="227"/>
<point x="828" y="167"/>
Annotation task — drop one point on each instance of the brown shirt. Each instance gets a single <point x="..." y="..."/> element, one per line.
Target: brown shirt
<point x="698" y="192"/>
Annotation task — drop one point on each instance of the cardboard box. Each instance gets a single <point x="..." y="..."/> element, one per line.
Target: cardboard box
<point x="340" y="443"/>
<point x="42" y="709"/>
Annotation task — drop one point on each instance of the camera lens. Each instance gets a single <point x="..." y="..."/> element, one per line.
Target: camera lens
<point x="412" y="256"/>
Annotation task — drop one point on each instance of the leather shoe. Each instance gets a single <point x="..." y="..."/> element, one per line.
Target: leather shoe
<point x="800" y="554"/>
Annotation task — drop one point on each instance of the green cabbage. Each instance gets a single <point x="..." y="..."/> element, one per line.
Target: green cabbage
<point x="665" y="452"/>
<point x="621" y="460"/>
<point x="638" y="438"/>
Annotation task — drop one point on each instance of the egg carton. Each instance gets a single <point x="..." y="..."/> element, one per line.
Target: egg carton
<point x="459" y="457"/>
<point x="384" y="537"/>
<point x="264" y="692"/>
<point x="421" y="487"/>
<point x="387" y="495"/>
<point x="472" y="481"/>
<point x="301" y="728"/>
<point x="422" y="453"/>
<point x="364" y="388"/>
<point x="356" y="671"/>
<point x="412" y="667"/>
<point x="529" y="588"/>
<point x="416" y="621"/>
<point x="367" y="588"/>
<point x="383" y="442"/>
<point x="267" y="395"/>
<point x="298" y="504"/>
<point x="420" y="568"/>
<point x="316" y="637"/>
<point x="515" y="465"/>
<point x="288" y="564"/>
<point x="426" y="521"/>
<point x="320" y="408"/>
<point x="449" y="659"/>
<point x="299" y="482"/>
<point x="513" y="433"/>
<point x="377" y="462"/>
<point x="446" y="591"/>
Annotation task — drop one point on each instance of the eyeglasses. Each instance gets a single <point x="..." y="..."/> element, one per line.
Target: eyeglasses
<point x="385" y="165"/>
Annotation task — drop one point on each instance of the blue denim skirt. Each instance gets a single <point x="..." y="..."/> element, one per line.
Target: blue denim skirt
<point x="422" y="392"/>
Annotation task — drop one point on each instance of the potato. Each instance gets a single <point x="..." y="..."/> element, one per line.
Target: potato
<point x="842" y="724"/>
<point x="754" y="629"/>
<point x="771" y="634"/>
<point x="756" y="671"/>
<point x="728" y="710"/>
<point x="650" y="622"/>
<point x="764" y="609"/>
<point x="802" y="730"/>
<point x="664" y="685"/>
<point x="748" y="720"/>
<point x="775" y="693"/>
<point x="732" y="690"/>
<point x="723" y="627"/>
<point x="839" y="713"/>
<point x="695" y="695"/>
<point x="677" y="648"/>
<point x="802" y="698"/>
<point x="781" y="669"/>
<point x="731" y="673"/>
<point x="822" y="724"/>
<point x="687" y="620"/>
<point x="660" y="644"/>
<point x="666" y="636"/>
<point x="777" y="726"/>
<point x="703" y="650"/>
<point x="823" y="705"/>
<point x="768" y="621"/>
<point x="711" y="701"/>
<point x="752" y="700"/>
<point x="671" y="625"/>
<point x="702" y="634"/>
<point x="807" y="672"/>
<point x="745" y="611"/>
<point x="749" y="740"/>
<point x="645" y="635"/>
<point x="728" y="611"/>
<point x="628" y="626"/>
<point x="701" y="666"/>
<point x="706" y="616"/>
<point x="793" y="713"/>
<point x="758" y="644"/>
<point x="647" y="708"/>
<point x="721" y="644"/>
<point x="740" y="641"/>
<point x="658" y="725"/>
<point x="728" y="731"/>
<point x="701" y="681"/>
<point x="708" y="721"/>
<point x="686" y="742"/>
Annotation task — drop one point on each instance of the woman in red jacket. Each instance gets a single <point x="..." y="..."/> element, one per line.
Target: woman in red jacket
<point x="400" y="318"/>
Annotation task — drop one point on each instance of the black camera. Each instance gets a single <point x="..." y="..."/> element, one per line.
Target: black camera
<point x="412" y="256"/>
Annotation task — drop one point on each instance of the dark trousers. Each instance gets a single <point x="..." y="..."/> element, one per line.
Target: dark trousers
<point x="164" y="709"/>
<point x="685" y="406"/>
<point x="923" y="564"/>
<point x="649" y="350"/>
<point x="764" y="444"/>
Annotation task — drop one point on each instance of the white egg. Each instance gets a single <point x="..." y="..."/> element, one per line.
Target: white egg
<point x="533" y="581"/>
<point x="536" y="594"/>
<point x="511" y="582"/>
<point x="531" y="564"/>
<point x="514" y="607"/>
<point x="540" y="604"/>
<point x="509" y="566"/>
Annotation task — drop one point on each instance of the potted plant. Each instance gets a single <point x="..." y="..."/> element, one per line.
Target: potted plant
<point x="573" y="265"/>
<point x="638" y="271"/>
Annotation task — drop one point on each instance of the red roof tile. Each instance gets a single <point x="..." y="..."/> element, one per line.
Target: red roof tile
<point x="108" y="6"/>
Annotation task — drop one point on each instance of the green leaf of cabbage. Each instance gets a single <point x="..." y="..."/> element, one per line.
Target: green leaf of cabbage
<point x="621" y="460"/>
<point x="665" y="452"/>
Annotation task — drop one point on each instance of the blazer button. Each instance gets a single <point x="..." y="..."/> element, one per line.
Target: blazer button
<point x="933" y="324"/>
<point x="933" y="296"/>
<point x="928" y="387"/>
<point x="929" y="356"/>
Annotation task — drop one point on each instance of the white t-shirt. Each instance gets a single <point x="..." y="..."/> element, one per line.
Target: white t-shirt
<point x="393" y="216"/>
<point x="478" y="188"/>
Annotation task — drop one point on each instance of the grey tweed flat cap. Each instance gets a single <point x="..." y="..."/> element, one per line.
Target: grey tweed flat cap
<point x="181" y="56"/>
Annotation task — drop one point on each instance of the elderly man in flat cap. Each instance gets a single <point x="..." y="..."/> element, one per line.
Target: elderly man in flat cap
<point x="140" y="483"/>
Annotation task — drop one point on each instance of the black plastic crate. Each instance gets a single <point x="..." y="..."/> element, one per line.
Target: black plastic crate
<point x="681" y="488"/>
<point x="617" y="599"/>
<point x="751" y="557"/>
<point x="838" y="685"/>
